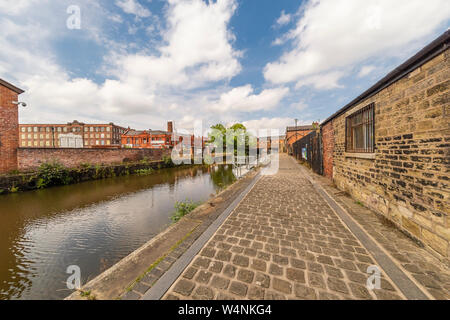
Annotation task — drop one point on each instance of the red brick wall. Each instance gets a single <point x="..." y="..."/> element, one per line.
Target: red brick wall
<point x="328" y="149"/>
<point x="9" y="130"/>
<point x="31" y="158"/>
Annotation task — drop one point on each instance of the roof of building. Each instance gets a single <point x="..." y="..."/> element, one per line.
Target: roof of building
<point x="132" y="132"/>
<point x="158" y="132"/>
<point x="432" y="50"/>
<point x="10" y="86"/>
<point x="299" y="128"/>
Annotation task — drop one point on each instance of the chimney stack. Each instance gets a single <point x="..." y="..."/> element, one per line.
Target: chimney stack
<point x="170" y="126"/>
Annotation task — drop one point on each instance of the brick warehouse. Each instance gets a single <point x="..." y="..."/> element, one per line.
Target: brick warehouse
<point x="9" y="122"/>
<point x="390" y="147"/>
<point x="71" y="134"/>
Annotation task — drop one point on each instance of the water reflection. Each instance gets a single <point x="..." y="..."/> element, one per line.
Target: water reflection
<point x="93" y="225"/>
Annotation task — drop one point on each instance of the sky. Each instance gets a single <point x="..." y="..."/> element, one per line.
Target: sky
<point x="263" y="63"/>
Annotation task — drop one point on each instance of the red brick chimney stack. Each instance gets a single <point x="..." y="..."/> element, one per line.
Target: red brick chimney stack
<point x="170" y="126"/>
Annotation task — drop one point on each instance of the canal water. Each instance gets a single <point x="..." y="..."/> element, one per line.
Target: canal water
<point x="92" y="225"/>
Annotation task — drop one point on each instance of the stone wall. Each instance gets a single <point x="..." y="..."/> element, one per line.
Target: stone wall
<point x="328" y="149"/>
<point x="31" y="158"/>
<point x="9" y="130"/>
<point x="408" y="179"/>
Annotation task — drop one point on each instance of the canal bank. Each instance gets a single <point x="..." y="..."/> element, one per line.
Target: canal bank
<point x="54" y="174"/>
<point x="92" y="224"/>
<point x="135" y="274"/>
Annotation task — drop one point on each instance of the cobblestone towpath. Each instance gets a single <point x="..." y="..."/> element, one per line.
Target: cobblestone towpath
<point x="284" y="241"/>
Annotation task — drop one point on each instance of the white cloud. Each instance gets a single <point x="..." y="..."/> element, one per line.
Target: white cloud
<point x="242" y="99"/>
<point x="366" y="70"/>
<point x="141" y="90"/>
<point x="133" y="7"/>
<point x="273" y="123"/>
<point x="324" y="81"/>
<point x="197" y="48"/>
<point x="335" y="34"/>
<point x="299" y="106"/>
<point x="284" y="19"/>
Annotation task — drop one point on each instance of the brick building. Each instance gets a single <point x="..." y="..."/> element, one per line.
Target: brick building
<point x="147" y="139"/>
<point x="71" y="135"/>
<point x="158" y="139"/>
<point x="294" y="134"/>
<point x="390" y="147"/>
<point x="9" y="126"/>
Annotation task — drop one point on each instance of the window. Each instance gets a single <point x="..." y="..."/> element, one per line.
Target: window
<point x="360" y="137"/>
<point x="23" y="129"/>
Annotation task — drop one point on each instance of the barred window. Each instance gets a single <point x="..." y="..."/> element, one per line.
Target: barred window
<point x="360" y="131"/>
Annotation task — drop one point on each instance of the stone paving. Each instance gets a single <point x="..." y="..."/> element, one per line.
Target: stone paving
<point x="282" y="242"/>
<point x="422" y="266"/>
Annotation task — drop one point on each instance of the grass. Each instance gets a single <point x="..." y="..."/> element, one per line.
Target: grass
<point x="87" y="294"/>
<point x="183" y="208"/>
<point x="144" y="172"/>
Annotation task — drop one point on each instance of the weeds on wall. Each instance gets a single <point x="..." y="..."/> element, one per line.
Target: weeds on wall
<point x="52" y="174"/>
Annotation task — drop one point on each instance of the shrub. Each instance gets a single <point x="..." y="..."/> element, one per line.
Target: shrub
<point x="168" y="163"/>
<point x="182" y="209"/>
<point x="51" y="174"/>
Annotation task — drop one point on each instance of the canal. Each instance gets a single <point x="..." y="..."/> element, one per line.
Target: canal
<point x="92" y="225"/>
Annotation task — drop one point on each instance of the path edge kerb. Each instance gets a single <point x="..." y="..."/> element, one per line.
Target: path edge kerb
<point x="399" y="276"/>
<point x="159" y="289"/>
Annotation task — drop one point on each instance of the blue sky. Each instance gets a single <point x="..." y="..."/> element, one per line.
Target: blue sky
<point x="140" y="63"/>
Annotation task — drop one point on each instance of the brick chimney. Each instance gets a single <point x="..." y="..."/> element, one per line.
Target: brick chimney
<point x="9" y="126"/>
<point x="170" y="126"/>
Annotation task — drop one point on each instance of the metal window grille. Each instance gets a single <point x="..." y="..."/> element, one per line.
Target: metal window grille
<point x="360" y="131"/>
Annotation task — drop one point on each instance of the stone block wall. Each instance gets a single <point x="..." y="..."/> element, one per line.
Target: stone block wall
<point x="408" y="181"/>
<point x="32" y="158"/>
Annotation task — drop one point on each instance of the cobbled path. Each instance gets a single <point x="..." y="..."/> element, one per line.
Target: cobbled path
<point x="282" y="242"/>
